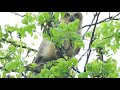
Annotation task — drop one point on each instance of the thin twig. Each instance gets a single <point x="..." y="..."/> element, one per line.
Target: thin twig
<point x="82" y="56"/>
<point x="17" y="45"/>
<point x="90" y="25"/>
<point x="109" y="14"/>
<point x="18" y="14"/>
<point x="104" y="20"/>
<point x="76" y="69"/>
<point x="23" y="75"/>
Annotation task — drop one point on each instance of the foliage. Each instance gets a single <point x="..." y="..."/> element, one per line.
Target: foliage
<point x="107" y="36"/>
<point x="106" y="39"/>
<point x="100" y="69"/>
<point x="64" y="32"/>
<point x="58" y="69"/>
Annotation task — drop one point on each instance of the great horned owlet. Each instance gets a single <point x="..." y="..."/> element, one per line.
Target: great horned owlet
<point x="70" y="17"/>
<point x="47" y="50"/>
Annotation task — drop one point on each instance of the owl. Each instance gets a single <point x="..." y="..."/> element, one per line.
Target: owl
<point x="48" y="51"/>
<point x="71" y="17"/>
<point x="68" y="49"/>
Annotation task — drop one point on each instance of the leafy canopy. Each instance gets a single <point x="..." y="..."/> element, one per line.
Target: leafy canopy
<point x="106" y="39"/>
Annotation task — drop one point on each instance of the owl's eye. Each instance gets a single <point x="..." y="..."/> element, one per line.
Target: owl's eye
<point x="67" y="15"/>
<point x="76" y="15"/>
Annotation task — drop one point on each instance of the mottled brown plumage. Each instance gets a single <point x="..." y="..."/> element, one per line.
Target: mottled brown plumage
<point x="47" y="50"/>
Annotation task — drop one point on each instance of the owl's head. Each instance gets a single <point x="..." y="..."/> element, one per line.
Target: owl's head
<point x="71" y="16"/>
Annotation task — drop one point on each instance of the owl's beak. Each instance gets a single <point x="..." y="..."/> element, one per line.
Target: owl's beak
<point x="72" y="19"/>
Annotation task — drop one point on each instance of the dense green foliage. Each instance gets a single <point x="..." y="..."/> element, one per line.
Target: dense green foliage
<point x="106" y="39"/>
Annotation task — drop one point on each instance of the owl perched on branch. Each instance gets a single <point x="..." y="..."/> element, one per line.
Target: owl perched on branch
<point x="48" y="51"/>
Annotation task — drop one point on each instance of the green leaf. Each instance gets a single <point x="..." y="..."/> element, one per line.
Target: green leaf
<point x="41" y="18"/>
<point x="18" y="75"/>
<point x="12" y="65"/>
<point x="45" y="71"/>
<point x="21" y="69"/>
<point x="1" y="46"/>
<point x="74" y="61"/>
<point x="30" y="74"/>
<point x="6" y="35"/>
<point x="33" y="26"/>
<point x="3" y="74"/>
<point x="30" y="19"/>
<point x="46" y="16"/>
<point x="83" y="75"/>
<point x="25" y="20"/>
<point x="17" y="57"/>
<point x="113" y="75"/>
<point x="69" y="63"/>
<point x="33" y="65"/>
<point x="29" y="29"/>
<point x="56" y="15"/>
<point x="62" y="14"/>
<point x="38" y="76"/>
<point x="12" y="48"/>
<point x="52" y="76"/>
<point x="1" y="35"/>
<point x="22" y="31"/>
<point x="88" y="34"/>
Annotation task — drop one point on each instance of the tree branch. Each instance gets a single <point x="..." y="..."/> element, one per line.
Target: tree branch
<point x="75" y="69"/>
<point x="83" y="55"/>
<point x="17" y="14"/>
<point x="23" y="75"/>
<point x="1" y="67"/>
<point x="104" y="20"/>
<point x="17" y="45"/>
<point x="90" y="25"/>
<point x="91" y="40"/>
